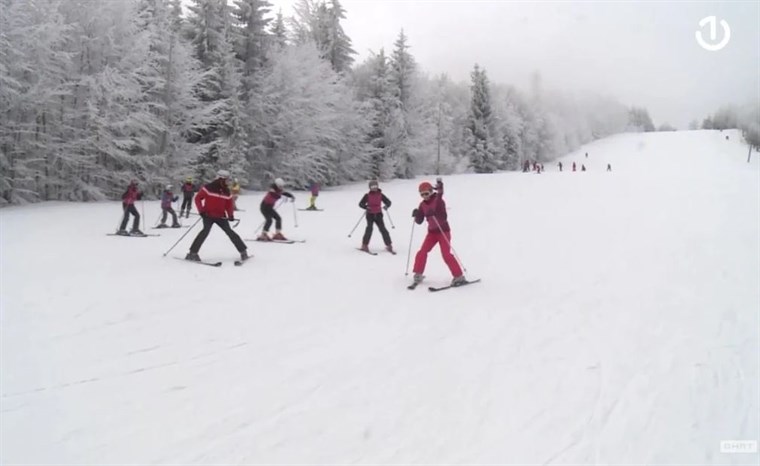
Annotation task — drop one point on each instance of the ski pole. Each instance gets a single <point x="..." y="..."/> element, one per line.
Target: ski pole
<point x="357" y="224"/>
<point x="409" y="253"/>
<point x="389" y="218"/>
<point x="155" y="224"/>
<point x="448" y="243"/>
<point x="295" y="217"/>
<point x="181" y="237"/>
<point x="142" y="207"/>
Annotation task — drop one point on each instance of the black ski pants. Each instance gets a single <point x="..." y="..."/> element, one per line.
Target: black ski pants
<point x="130" y="209"/>
<point x="378" y="220"/>
<point x="269" y="215"/>
<point x="224" y="224"/>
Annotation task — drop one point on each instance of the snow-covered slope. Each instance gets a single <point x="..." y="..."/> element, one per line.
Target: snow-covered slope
<point x="617" y="322"/>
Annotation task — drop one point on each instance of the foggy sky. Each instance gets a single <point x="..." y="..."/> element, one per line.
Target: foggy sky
<point x="641" y="53"/>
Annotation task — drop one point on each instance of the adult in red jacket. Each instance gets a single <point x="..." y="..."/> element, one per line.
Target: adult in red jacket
<point x="214" y="204"/>
<point x="433" y="208"/>
<point x="374" y="202"/>
<point x="128" y="199"/>
<point x="269" y="212"/>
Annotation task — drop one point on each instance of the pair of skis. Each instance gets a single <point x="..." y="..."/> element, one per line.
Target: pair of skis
<point x="441" y="288"/>
<point x="132" y="235"/>
<point x="238" y="262"/>
<point x="281" y="241"/>
<point x="372" y="253"/>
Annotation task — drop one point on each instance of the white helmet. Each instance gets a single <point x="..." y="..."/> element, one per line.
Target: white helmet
<point x="279" y="182"/>
<point x="169" y="187"/>
<point x="223" y="174"/>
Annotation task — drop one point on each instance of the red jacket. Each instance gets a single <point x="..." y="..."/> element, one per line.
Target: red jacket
<point x="373" y="201"/>
<point x="215" y="200"/>
<point x="434" y="207"/>
<point x="131" y="195"/>
<point x="274" y="194"/>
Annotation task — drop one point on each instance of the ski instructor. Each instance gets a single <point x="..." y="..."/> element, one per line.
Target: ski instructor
<point x="215" y="205"/>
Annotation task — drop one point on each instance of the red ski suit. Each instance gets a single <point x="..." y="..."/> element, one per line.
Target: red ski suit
<point x="434" y="210"/>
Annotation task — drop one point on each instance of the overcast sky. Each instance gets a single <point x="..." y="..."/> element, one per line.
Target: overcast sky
<point x="642" y="53"/>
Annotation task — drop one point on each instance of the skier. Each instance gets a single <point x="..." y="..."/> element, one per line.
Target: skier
<point x="560" y="166"/>
<point x="267" y="209"/>
<point x="586" y="154"/>
<point x="374" y="202"/>
<point x="166" y="205"/>
<point x="188" y="189"/>
<point x="573" y="166"/>
<point x="128" y="199"/>
<point x="235" y="190"/>
<point x="583" y="168"/>
<point x="214" y="204"/>
<point x="314" y="189"/>
<point x="609" y="167"/>
<point x="433" y="208"/>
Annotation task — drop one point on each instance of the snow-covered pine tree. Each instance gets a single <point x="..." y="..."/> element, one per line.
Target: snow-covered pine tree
<point x="217" y="128"/>
<point x="481" y="149"/>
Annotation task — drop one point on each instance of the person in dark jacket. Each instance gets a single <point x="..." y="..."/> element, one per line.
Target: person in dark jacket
<point x="188" y="190"/>
<point x="374" y="202"/>
<point x="214" y="204"/>
<point x="166" y="206"/>
<point x="433" y="208"/>
<point x="267" y="209"/>
<point x="128" y="199"/>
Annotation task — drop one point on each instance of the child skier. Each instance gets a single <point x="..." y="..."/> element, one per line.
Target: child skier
<point x="188" y="189"/>
<point x="128" y="199"/>
<point x="267" y="209"/>
<point x="314" y="189"/>
<point x="166" y="205"/>
<point x="374" y="202"/>
<point x="214" y="204"/>
<point x="433" y="208"/>
<point x="235" y="190"/>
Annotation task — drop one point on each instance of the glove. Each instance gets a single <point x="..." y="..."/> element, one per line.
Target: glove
<point x="175" y="198"/>
<point x="385" y="208"/>
<point x="203" y="214"/>
<point x="415" y="212"/>
<point x="231" y="219"/>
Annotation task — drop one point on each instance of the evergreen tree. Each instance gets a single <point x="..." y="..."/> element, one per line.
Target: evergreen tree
<point x="478" y="130"/>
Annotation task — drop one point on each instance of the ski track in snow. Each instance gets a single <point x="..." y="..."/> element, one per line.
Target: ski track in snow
<point x="617" y="322"/>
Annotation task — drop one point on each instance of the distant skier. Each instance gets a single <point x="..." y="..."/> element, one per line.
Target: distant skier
<point x="128" y="199"/>
<point x="560" y="166"/>
<point x="583" y="168"/>
<point x="586" y="154"/>
<point x="267" y="209"/>
<point x="609" y="167"/>
<point x="573" y="166"/>
<point x="314" y="190"/>
<point x="433" y="208"/>
<point x="188" y="190"/>
<point x="166" y="205"/>
<point x="526" y="166"/>
<point x="235" y="191"/>
<point x="374" y="202"/>
<point x="214" y="204"/>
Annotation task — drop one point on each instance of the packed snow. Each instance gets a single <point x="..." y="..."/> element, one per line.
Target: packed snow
<point x="616" y="322"/>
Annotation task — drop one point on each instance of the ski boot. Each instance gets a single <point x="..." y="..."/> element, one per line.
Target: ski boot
<point x="193" y="256"/>
<point x="279" y="237"/>
<point x="418" y="278"/>
<point x="176" y="225"/>
<point x="244" y="255"/>
<point x="364" y="248"/>
<point x="458" y="281"/>
<point x="389" y="248"/>
<point x="122" y="232"/>
<point x="136" y="232"/>
<point x="163" y="225"/>
<point x="264" y="237"/>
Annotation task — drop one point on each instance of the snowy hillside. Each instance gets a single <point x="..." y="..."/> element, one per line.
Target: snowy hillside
<point x="617" y="322"/>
